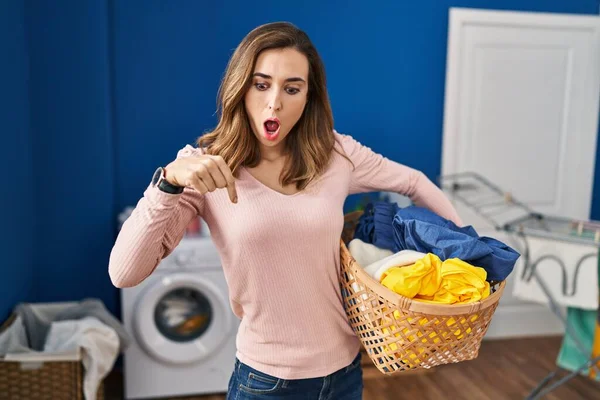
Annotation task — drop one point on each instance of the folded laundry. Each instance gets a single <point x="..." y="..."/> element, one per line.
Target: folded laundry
<point x="400" y="259"/>
<point x="432" y="280"/>
<point x="419" y="229"/>
<point x="366" y="253"/>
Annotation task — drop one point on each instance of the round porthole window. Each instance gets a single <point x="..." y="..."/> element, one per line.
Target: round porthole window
<point x="183" y="314"/>
<point x="181" y="318"/>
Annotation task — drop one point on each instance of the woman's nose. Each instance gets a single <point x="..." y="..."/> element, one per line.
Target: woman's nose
<point x="275" y="102"/>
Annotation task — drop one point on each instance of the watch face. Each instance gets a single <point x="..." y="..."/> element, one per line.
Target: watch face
<point x="157" y="175"/>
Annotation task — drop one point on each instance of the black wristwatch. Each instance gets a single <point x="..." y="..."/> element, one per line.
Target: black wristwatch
<point x="158" y="180"/>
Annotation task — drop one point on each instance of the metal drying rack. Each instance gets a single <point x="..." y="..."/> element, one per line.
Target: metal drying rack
<point x="505" y="213"/>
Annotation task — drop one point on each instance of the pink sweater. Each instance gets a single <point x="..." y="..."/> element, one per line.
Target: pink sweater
<point x="280" y="255"/>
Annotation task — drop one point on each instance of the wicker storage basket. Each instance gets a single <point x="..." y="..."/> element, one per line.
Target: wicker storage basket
<point x="58" y="379"/>
<point x="400" y="334"/>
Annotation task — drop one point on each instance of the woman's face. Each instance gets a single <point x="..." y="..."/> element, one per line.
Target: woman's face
<point x="277" y="97"/>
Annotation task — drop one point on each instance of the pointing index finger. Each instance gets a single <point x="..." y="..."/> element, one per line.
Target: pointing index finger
<point x="228" y="177"/>
<point x="232" y="192"/>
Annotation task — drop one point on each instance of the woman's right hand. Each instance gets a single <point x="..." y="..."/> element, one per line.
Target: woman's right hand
<point x="204" y="173"/>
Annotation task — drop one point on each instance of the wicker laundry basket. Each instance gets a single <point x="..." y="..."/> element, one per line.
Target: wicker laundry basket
<point x="58" y="379"/>
<point x="399" y="333"/>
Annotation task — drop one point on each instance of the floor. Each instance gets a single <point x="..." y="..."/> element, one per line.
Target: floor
<point x="504" y="370"/>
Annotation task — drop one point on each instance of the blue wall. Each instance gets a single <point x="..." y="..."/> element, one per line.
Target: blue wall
<point x="167" y="73"/>
<point x="73" y="148"/>
<point x="17" y="199"/>
<point x="118" y="87"/>
<point x="169" y="60"/>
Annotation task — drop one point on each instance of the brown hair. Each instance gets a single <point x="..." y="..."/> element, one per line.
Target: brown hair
<point x="311" y="141"/>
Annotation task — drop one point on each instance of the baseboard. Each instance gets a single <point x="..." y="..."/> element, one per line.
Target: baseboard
<point x="522" y="320"/>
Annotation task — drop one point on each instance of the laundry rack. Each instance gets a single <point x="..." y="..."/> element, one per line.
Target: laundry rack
<point x="507" y="214"/>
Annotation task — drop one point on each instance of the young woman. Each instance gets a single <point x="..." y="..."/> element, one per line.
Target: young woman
<point x="270" y="181"/>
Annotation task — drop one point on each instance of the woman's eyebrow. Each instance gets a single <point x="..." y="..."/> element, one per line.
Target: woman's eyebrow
<point x="292" y="79"/>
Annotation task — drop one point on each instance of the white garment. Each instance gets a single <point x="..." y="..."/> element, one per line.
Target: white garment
<point x="380" y="263"/>
<point x="550" y="271"/>
<point x="99" y="344"/>
<point x="400" y="259"/>
<point x="366" y="253"/>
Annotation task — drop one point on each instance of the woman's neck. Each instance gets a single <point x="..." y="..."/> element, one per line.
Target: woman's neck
<point x="272" y="154"/>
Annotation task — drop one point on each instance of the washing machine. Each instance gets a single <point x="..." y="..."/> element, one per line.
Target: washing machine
<point x="182" y="326"/>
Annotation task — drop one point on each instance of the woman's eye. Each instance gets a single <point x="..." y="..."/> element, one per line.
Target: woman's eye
<point x="292" y="90"/>
<point x="261" y="86"/>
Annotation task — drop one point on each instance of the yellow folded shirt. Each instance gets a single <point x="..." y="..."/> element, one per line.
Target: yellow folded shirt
<point x="430" y="280"/>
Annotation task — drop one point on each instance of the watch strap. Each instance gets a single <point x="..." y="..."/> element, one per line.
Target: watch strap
<point x="163" y="185"/>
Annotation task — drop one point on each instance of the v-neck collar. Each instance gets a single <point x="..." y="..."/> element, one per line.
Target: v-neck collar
<point x="267" y="188"/>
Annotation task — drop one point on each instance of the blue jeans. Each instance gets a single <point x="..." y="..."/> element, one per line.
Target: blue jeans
<point x="246" y="383"/>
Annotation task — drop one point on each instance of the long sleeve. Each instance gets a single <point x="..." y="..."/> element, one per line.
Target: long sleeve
<point x="153" y="230"/>
<point x="373" y="172"/>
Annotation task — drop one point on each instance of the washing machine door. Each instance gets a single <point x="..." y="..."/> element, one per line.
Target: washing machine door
<point x="182" y="318"/>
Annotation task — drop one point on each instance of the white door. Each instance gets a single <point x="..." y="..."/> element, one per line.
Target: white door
<point x="521" y="109"/>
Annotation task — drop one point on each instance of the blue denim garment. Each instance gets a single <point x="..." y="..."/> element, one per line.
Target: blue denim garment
<point x="417" y="228"/>
<point x="375" y="225"/>
<point x="247" y="383"/>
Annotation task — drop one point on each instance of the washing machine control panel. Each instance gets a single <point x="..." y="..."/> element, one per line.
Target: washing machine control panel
<point x="192" y="254"/>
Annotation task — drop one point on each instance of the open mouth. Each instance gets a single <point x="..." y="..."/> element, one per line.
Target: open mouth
<point x="271" y="128"/>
